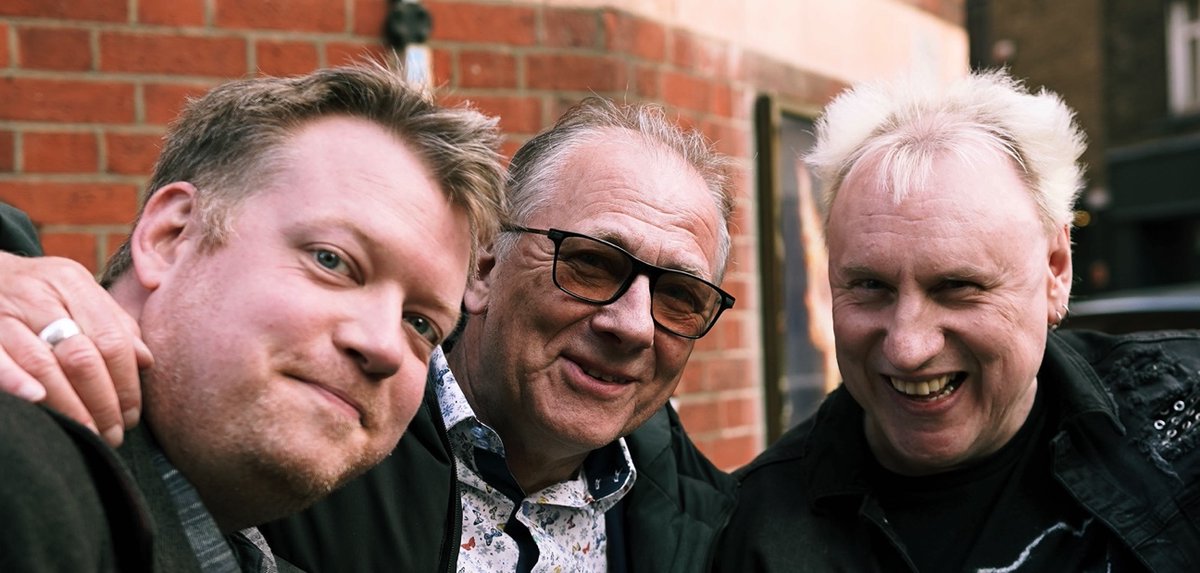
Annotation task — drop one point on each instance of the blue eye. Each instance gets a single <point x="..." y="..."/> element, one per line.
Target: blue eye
<point x="328" y="259"/>
<point x="332" y="261"/>
<point x="425" y="328"/>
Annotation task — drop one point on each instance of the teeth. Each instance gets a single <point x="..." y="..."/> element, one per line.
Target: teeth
<point x="923" y="387"/>
<point x="604" y="377"/>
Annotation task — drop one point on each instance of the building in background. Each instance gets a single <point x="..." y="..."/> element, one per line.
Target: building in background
<point x="88" y="86"/>
<point x="1132" y="70"/>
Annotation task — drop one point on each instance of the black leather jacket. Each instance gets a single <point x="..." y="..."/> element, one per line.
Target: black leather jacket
<point x="1125" y="450"/>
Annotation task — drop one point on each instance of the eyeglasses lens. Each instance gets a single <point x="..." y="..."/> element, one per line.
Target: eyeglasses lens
<point x="596" y="272"/>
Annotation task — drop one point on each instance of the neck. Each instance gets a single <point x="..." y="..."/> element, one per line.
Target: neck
<point x="129" y="295"/>
<point x="534" y="463"/>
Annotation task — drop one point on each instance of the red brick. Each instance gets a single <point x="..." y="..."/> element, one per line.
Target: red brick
<point x="339" y="53"/>
<point x="574" y="72"/>
<point x="648" y="82"/>
<point x="163" y="102"/>
<point x="517" y="114"/>
<point x="727" y="139"/>
<point x="290" y="15"/>
<point x="131" y="153"/>
<point x="632" y="35"/>
<point x="61" y="49"/>
<point x="686" y="91"/>
<point x="483" y="23"/>
<point x="112" y="242"/>
<point x="443" y="67"/>
<point x="223" y="57"/>
<point x="284" y="58"/>
<point x="691" y="382"/>
<point x="487" y="70"/>
<point x="171" y="12"/>
<point x="741" y="104"/>
<point x="730" y="453"/>
<point x="720" y="99"/>
<point x="699" y="55"/>
<point x="65" y="101"/>
<point x="737" y="412"/>
<point x="60" y="152"/>
<point x="80" y="247"/>
<point x="7" y="152"/>
<point x="102" y="10"/>
<point x="4" y="61"/>
<point x="728" y="334"/>
<point x="567" y="28"/>
<point x="72" y="203"/>
<point x="728" y="374"/>
<point x="369" y="16"/>
<point x="699" y="415"/>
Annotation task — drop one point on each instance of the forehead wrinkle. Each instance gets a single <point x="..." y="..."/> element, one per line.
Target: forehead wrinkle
<point x="618" y="238"/>
<point x="629" y="194"/>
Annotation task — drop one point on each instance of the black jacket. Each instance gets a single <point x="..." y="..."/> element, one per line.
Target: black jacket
<point x="17" y="234"/>
<point x="67" y="502"/>
<point x="405" y="514"/>
<point x="1125" y="450"/>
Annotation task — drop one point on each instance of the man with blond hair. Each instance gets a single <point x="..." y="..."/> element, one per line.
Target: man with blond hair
<point x="302" y="249"/>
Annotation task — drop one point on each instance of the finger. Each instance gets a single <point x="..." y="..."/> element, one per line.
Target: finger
<point x="45" y="289"/>
<point x="27" y="359"/>
<point x="144" y="358"/>
<point x="82" y="364"/>
<point x="32" y="357"/>
<point x="117" y="342"/>
<point x="16" y="381"/>
<point x="113" y="333"/>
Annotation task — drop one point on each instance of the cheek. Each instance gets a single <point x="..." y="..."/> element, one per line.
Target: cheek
<point x="851" y="330"/>
<point x="408" y="389"/>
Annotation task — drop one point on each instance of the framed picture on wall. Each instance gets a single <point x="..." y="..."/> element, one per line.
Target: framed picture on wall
<point x="798" y="355"/>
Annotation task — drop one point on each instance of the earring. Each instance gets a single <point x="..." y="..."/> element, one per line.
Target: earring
<point x="1059" y="317"/>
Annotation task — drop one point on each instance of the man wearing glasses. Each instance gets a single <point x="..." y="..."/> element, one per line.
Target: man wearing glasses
<point x="545" y="441"/>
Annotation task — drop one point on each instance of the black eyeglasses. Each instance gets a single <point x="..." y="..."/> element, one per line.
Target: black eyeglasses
<point x="599" y="272"/>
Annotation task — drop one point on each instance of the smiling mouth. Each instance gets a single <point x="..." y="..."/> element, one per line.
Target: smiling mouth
<point x="336" y="398"/>
<point x="928" y="390"/>
<point x="605" y="377"/>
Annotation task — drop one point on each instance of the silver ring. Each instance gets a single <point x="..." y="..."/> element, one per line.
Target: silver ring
<point x="58" y="331"/>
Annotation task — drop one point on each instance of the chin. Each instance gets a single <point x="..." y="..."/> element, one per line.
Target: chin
<point x="299" y="480"/>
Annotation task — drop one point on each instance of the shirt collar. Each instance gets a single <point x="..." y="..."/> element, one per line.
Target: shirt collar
<point x="608" y="471"/>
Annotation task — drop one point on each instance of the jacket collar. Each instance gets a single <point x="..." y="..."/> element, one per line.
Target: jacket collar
<point x="1076" y="384"/>
<point x="837" y="454"/>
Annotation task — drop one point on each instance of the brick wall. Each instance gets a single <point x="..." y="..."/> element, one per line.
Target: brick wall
<point x="88" y="86"/>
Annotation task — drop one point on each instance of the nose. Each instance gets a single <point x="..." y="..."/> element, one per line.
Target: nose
<point x="628" y="319"/>
<point x="914" y="336"/>
<point x="372" y="335"/>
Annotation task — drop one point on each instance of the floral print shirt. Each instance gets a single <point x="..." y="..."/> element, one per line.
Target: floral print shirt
<point x="565" y="521"/>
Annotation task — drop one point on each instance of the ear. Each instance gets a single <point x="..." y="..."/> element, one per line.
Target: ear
<point x="1059" y="275"/>
<point x="475" y="300"/>
<point x="163" y="233"/>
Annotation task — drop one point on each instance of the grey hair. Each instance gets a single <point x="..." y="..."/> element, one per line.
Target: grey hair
<point x="899" y="128"/>
<point x="538" y="165"/>
<point x="230" y="143"/>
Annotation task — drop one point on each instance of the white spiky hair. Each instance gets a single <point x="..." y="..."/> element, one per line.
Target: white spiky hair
<point x="899" y="127"/>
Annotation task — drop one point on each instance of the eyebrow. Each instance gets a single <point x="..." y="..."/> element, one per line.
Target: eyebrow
<point x="958" y="272"/>
<point x="683" y="267"/>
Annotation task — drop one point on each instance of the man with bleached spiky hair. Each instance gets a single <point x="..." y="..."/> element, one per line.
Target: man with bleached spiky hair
<point x="969" y="435"/>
